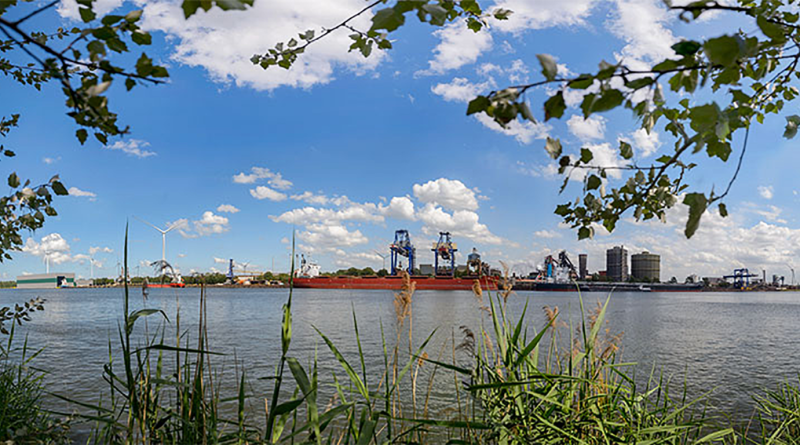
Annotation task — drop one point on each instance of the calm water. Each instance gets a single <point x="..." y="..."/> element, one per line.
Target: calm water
<point x="734" y="343"/>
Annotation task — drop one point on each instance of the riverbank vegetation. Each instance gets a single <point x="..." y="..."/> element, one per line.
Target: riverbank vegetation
<point x="506" y="382"/>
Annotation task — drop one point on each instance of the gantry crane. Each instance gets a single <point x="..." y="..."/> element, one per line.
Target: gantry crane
<point x="445" y="249"/>
<point x="402" y="247"/>
<point x="741" y="278"/>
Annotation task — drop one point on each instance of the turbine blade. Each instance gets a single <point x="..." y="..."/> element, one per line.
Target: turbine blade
<point x="151" y="225"/>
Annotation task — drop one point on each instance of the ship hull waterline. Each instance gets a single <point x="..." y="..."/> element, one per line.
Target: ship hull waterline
<point x="395" y="283"/>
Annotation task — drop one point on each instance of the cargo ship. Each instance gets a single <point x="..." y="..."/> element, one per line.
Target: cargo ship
<point x="600" y="286"/>
<point x="308" y="276"/>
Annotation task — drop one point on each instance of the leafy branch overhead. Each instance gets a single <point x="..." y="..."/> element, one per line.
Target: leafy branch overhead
<point x="80" y="60"/>
<point x="748" y="74"/>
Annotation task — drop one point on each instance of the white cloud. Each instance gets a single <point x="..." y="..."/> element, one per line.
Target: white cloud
<point x="223" y="42"/>
<point x="311" y="198"/>
<point x="52" y="247"/>
<point x="331" y="236"/>
<point x="772" y="214"/>
<point x="274" y="179"/>
<point x="69" y="8"/>
<point x="592" y="128"/>
<point x="449" y="193"/>
<point x="75" y="191"/>
<point x="460" y="223"/>
<point x="765" y="191"/>
<point x="367" y="212"/>
<point x="51" y="161"/>
<point x="98" y="249"/>
<point x="208" y="224"/>
<point x="603" y="155"/>
<point x="458" y="46"/>
<point x="400" y="207"/>
<point x="642" y="25"/>
<point x="264" y="192"/>
<point x="132" y="147"/>
<point x="461" y="89"/>
<point x="211" y="224"/>
<point x="523" y="132"/>
<point x="644" y="143"/>
<point x="546" y="234"/>
<point x="227" y="208"/>
<point x="540" y="14"/>
<point x="220" y="260"/>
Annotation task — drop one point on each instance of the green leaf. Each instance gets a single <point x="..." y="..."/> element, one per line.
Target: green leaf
<point x="593" y="182"/>
<point x="82" y="134"/>
<point x="141" y="38"/>
<point x="13" y="180"/>
<point x="625" y="150"/>
<point x="584" y="232"/>
<point x="775" y="32"/>
<point x="59" y="188"/>
<point x="582" y="82"/>
<point x="697" y="203"/>
<point x="133" y="16"/>
<point x="586" y="155"/>
<point x="87" y="15"/>
<point x="724" y="50"/>
<point x="553" y="147"/>
<point x="388" y="19"/>
<point x="549" y="67"/>
<point x="719" y="149"/>
<point x="686" y="47"/>
<point x="791" y="126"/>
<point x="723" y="210"/>
<point x="554" y="106"/>
<point x="480" y="103"/>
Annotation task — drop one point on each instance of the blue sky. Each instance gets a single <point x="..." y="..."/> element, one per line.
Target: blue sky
<point x="345" y="150"/>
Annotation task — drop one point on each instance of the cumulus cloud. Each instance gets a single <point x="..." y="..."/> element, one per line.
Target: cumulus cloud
<point x="541" y="14"/>
<point x="274" y="179"/>
<point x="264" y="192"/>
<point x="766" y="192"/>
<point x="460" y="223"/>
<point x="222" y="42"/>
<point x="546" y="234"/>
<point x="449" y="193"/>
<point x="208" y="224"/>
<point x="98" y="249"/>
<point x="589" y="129"/>
<point x="51" y="161"/>
<point x="330" y="237"/>
<point x="645" y="143"/>
<point x="642" y="24"/>
<point x="227" y="208"/>
<point x="400" y="207"/>
<point x="132" y="147"/>
<point x="75" y="191"/>
<point x="366" y="212"/>
<point x="53" y="248"/>
<point x="458" y="46"/>
<point x="461" y="90"/>
<point x="311" y="198"/>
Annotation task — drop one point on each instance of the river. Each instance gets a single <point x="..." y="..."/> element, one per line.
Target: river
<point x="732" y="343"/>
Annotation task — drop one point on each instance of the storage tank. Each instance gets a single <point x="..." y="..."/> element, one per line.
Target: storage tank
<point x="646" y="266"/>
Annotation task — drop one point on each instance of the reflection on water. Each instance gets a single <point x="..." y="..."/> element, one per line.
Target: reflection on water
<point x="733" y="343"/>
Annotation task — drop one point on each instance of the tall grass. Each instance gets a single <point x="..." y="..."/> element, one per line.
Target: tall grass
<point x="507" y="383"/>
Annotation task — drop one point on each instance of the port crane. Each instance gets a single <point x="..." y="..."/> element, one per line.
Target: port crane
<point x="445" y="249"/>
<point x="741" y="278"/>
<point x="402" y="247"/>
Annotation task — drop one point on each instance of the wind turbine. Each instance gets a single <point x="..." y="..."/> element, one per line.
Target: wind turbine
<point x="792" y="269"/>
<point x="383" y="257"/>
<point x="163" y="237"/>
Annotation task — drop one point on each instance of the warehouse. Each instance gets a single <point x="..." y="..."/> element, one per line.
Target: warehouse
<point x="46" y="281"/>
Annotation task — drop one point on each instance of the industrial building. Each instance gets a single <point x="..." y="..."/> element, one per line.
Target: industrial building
<point x="617" y="264"/>
<point x="46" y="281"/>
<point x="582" y="266"/>
<point x="646" y="266"/>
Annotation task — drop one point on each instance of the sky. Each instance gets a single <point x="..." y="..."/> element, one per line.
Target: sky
<point x="343" y="150"/>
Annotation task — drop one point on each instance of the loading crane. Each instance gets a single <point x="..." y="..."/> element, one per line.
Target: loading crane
<point x="402" y="247"/>
<point x="445" y="249"/>
<point x="230" y="275"/>
<point x="741" y="278"/>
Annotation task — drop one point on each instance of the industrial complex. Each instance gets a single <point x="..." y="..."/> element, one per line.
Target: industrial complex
<point x="639" y="272"/>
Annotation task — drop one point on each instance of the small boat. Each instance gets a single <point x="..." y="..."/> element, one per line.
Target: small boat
<point x="643" y="288"/>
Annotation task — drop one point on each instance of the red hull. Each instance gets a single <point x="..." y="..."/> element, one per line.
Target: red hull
<point x="167" y="285"/>
<point x="395" y="283"/>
